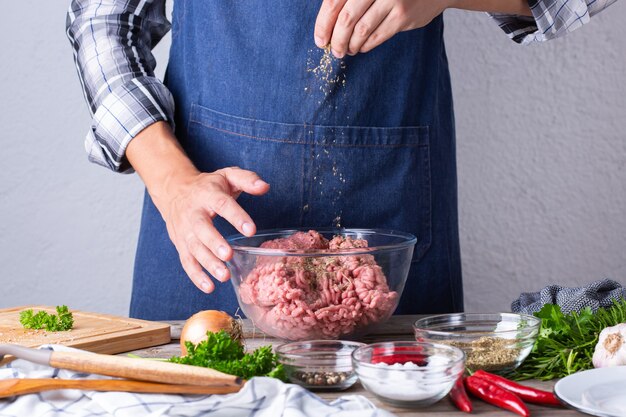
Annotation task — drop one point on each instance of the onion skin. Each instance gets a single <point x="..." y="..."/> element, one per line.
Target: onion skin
<point x="196" y="327"/>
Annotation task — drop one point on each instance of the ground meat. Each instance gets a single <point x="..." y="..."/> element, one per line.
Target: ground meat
<point x="316" y="297"/>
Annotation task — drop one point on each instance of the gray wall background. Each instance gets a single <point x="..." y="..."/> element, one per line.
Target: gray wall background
<point x="541" y="154"/>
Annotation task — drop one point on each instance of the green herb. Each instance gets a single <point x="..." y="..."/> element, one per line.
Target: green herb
<point x="566" y="341"/>
<point x="61" y="321"/>
<point x="224" y="354"/>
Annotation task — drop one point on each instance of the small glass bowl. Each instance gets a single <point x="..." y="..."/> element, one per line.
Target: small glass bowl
<point x="495" y="342"/>
<point x="319" y="364"/>
<point x="408" y="374"/>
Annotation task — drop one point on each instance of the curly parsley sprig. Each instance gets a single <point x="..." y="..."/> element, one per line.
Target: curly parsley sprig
<point x="62" y="321"/>
<point x="224" y="354"/>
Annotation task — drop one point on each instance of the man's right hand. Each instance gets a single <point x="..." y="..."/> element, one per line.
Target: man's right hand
<point x="189" y="200"/>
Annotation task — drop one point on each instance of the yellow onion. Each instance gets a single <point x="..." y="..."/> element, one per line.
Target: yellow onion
<point x="196" y="327"/>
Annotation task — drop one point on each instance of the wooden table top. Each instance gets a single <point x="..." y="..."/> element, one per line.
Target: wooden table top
<point x="397" y="328"/>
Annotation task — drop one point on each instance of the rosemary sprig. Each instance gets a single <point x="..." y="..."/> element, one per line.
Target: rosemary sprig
<point x="566" y="342"/>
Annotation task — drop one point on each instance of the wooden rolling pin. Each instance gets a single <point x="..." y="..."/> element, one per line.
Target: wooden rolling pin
<point x="12" y="387"/>
<point x="124" y="367"/>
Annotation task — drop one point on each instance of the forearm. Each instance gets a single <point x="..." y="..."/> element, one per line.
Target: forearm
<point x="158" y="158"/>
<point x="517" y="7"/>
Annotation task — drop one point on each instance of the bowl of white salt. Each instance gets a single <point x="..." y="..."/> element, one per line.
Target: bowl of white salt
<point x="408" y="374"/>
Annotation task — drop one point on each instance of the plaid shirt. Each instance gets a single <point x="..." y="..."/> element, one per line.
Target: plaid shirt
<point x="112" y="43"/>
<point x="551" y="19"/>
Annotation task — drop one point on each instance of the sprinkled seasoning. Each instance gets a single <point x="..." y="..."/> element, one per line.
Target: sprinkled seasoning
<point x="329" y="72"/>
<point x="327" y="87"/>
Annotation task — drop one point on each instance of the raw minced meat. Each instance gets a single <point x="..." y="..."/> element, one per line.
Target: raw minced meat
<point x="309" y="297"/>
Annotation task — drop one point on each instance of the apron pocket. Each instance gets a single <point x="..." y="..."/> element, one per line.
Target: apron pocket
<point x="320" y="176"/>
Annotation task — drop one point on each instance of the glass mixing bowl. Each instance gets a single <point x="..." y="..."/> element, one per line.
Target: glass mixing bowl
<point x="298" y="284"/>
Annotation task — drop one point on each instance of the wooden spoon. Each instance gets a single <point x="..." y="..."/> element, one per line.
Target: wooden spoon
<point x="19" y="386"/>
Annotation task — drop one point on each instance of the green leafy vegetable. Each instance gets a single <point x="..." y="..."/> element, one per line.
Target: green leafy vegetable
<point x="224" y="354"/>
<point x="566" y="341"/>
<point x="61" y="321"/>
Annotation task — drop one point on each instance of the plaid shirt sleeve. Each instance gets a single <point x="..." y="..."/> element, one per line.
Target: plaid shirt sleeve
<point x="112" y="42"/>
<point x="551" y="19"/>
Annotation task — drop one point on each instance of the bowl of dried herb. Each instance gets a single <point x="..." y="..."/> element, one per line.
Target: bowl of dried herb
<point x="496" y="342"/>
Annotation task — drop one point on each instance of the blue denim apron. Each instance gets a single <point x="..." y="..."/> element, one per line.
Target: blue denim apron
<point x="369" y="145"/>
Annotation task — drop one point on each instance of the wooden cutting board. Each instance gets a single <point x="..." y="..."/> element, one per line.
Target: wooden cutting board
<point x="94" y="332"/>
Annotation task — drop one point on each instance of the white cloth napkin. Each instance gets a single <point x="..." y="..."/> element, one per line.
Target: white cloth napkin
<point x="260" y="397"/>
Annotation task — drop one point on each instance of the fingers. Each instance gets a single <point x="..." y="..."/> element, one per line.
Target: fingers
<point x="384" y="31"/>
<point x="195" y="254"/>
<point x="366" y="31"/>
<point x="223" y="202"/>
<point x="326" y="19"/>
<point x="353" y="26"/>
<point x="189" y="215"/>
<point x="210" y="237"/>
<point x="194" y="271"/>
<point x="207" y="259"/>
<point x="198" y="250"/>
<point x="351" y="13"/>
<point x="243" y="180"/>
<point x="224" y="205"/>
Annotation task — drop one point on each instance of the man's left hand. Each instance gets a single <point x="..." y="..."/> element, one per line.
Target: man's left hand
<point x="353" y="26"/>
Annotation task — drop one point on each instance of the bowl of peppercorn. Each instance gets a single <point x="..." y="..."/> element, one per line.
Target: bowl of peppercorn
<point x="321" y="365"/>
<point x="495" y="342"/>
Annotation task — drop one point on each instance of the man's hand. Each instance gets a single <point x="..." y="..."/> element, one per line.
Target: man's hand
<point x="189" y="212"/>
<point x="189" y="200"/>
<point x="353" y="26"/>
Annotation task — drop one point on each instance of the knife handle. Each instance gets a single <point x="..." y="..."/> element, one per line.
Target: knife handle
<point x="141" y="369"/>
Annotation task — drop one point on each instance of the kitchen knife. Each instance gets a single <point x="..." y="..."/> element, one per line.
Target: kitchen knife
<point x="124" y="367"/>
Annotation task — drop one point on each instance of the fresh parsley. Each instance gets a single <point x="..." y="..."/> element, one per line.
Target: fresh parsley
<point x="566" y="342"/>
<point x="61" y="321"/>
<point x="224" y="354"/>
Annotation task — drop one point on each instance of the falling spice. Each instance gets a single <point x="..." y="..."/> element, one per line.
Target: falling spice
<point x="327" y="87"/>
<point x="337" y="220"/>
<point x="488" y="353"/>
<point x="329" y="72"/>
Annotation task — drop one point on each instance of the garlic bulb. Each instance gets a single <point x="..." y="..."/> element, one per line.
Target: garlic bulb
<point x="611" y="347"/>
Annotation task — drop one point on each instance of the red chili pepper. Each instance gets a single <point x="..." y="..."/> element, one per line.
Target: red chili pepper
<point x="532" y="395"/>
<point x="459" y="397"/>
<point x="493" y="394"/>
